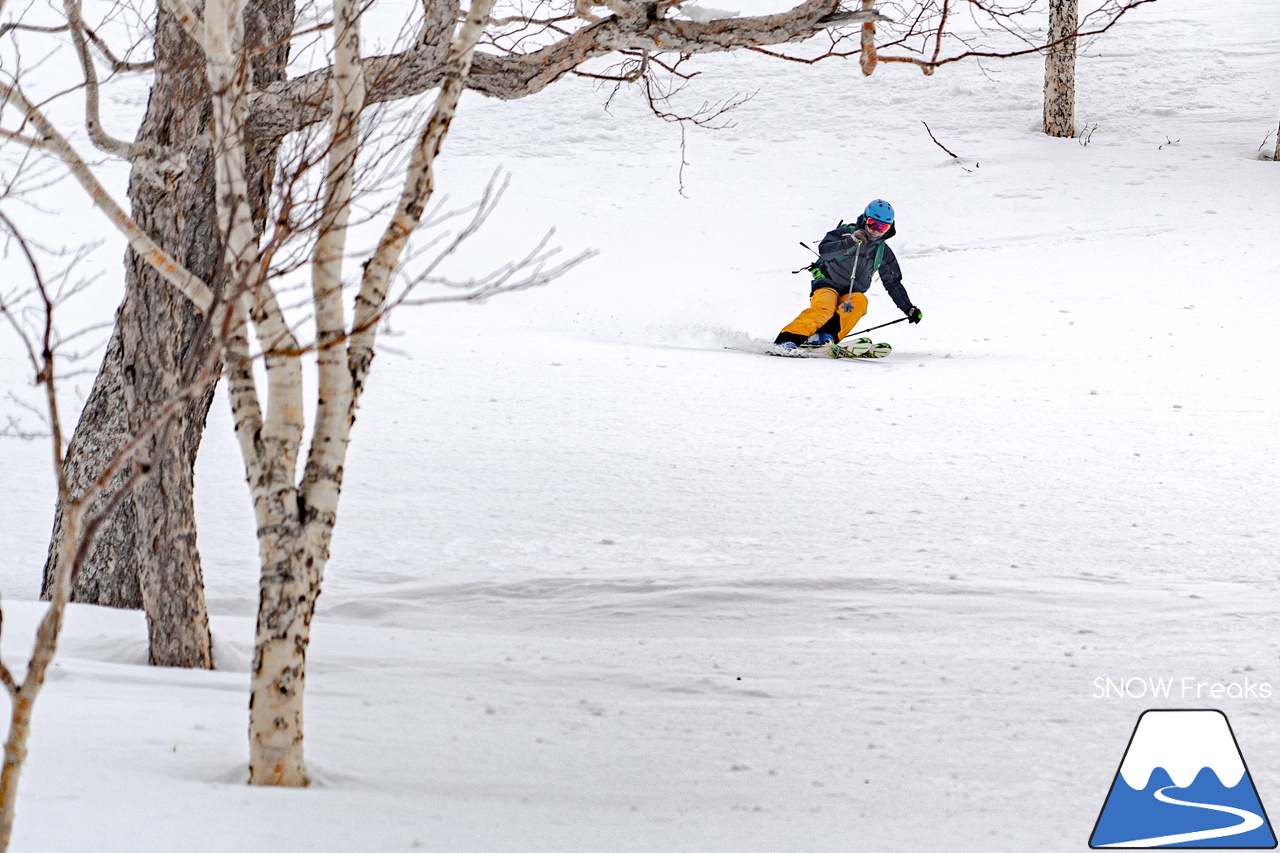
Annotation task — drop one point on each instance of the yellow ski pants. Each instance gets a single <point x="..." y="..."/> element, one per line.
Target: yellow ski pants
<point x="822" y="305"/>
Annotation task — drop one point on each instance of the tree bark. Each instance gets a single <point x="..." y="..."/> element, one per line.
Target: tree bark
<point x="145" y="555"/>
<point x="1060" y="70"/>
<point x="112" y="580"/>
<point x="868" y="58"/>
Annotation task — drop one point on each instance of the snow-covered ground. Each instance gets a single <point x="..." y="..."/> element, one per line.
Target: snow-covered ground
<point x="601" y="583"/>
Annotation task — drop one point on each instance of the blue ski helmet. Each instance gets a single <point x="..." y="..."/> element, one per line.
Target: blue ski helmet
<point x="880" y="210"/>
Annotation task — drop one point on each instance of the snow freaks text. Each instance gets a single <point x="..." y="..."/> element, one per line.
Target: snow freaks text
<point x="1186" y="687"/>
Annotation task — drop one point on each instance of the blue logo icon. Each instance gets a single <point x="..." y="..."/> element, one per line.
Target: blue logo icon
<point x="1183" y="783"/>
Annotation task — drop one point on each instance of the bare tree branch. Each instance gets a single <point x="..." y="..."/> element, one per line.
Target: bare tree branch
<point x="418" y="186"/>
<point x="92" y="117"/>
<point x="292" y="105"/>
<point x="146" y="248"/>
<point x="118" y="65"/>
<point x="84" y="517"/>
<point x="11" y="26"/>
<point x="936" y="142"/>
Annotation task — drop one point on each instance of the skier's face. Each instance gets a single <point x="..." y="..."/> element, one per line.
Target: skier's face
<point x="875" y="226"/>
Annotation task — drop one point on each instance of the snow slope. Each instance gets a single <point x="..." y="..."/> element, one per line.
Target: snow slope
<point x="601" y="583"/>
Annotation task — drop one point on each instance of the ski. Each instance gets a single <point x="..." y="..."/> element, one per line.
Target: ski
<point x="857" y="348"/>
<point x="869" y="350"/>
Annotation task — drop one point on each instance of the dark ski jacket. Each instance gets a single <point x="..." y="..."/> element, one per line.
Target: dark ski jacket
<point x="840" y="256"/>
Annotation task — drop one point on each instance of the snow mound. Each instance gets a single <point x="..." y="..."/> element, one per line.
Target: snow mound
<point x="229" y="656"/>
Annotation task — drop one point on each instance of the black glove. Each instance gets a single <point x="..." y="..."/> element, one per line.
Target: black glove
<point x="915" y="315"/>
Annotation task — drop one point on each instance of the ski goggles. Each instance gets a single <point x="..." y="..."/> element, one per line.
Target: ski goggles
<point x="877" y="226"/>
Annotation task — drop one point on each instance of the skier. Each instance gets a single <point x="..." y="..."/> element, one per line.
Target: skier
<point x="848" y="255"/>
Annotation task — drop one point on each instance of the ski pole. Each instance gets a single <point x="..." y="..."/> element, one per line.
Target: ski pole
<point x="853" y="281"/>
<point x="881" y="325"/>
<point x="811" y="266"/>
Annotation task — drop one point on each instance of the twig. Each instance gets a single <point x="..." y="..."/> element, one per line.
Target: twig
<point x="936" y="142"/>
<point x="6" y="677"/>
<point x="14" y="429"/>
<point x="117" y="65"/>
<point x="5" y="29"/>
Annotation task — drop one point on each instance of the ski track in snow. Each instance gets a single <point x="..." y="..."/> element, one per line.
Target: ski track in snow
<point x="601" y="582"/>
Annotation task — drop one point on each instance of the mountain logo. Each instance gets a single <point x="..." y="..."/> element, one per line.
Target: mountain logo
<point x="1183" y="783"/>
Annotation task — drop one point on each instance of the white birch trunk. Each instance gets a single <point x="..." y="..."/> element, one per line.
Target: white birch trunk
<point x="227" y="69"/>
<point x="296" y="528"/>
<point x="294" y="533"/>
<point x="418" y="187"/>
<point x="868" y="58"/>
<point x="1060" y="70"/>
<point x="23" y="697"/>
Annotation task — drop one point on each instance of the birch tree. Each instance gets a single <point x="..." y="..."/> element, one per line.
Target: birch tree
<point x="27" y="307"/>
<point x="1060" y="70"/>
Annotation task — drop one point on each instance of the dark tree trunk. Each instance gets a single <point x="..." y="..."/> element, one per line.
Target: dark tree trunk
<point x="145" y="555"/>
<point x="110" y="577"/>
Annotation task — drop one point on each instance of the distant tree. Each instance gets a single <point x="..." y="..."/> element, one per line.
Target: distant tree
<point x="1060" y="70"/>
<point x="930" y="34"/>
